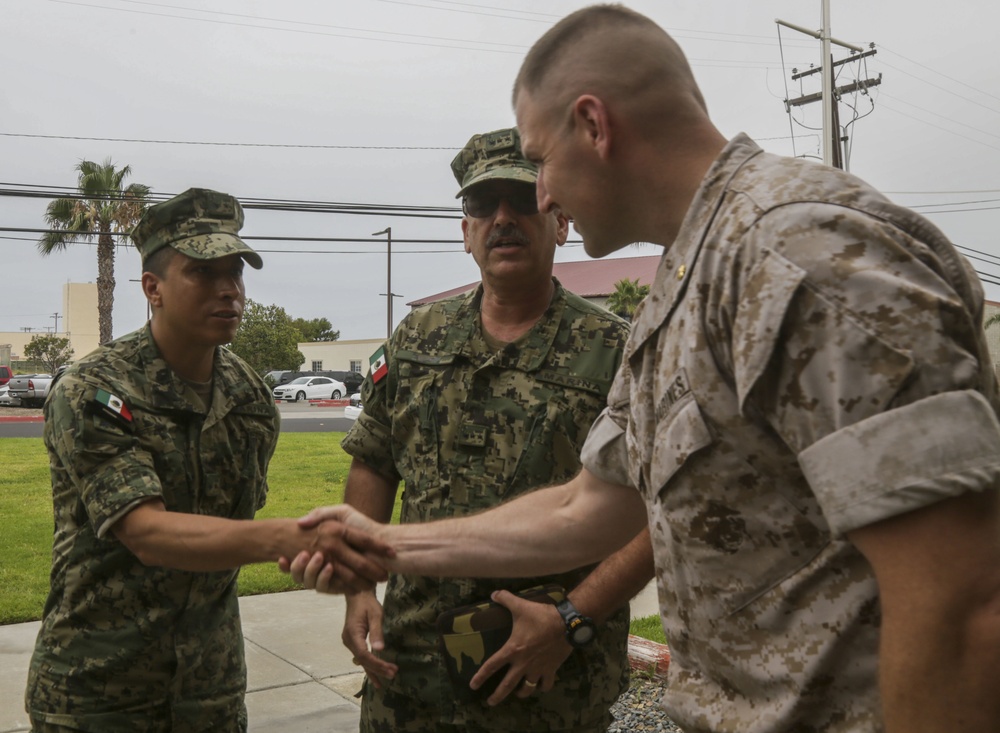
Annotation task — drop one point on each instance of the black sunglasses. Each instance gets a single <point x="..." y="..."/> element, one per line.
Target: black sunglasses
<point x="480" y="204"/>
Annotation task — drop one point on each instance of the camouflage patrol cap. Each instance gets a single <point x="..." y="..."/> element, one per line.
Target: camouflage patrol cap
<point x="199" y="223"/>
<point x="493" y="155"/>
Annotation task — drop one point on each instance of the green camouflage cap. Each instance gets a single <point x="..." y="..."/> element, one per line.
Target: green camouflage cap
<point x="199" y="223"/>
<point x="493" y="155"/>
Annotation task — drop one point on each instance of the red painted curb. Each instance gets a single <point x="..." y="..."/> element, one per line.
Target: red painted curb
<point x="22" y="418"/>
<point x="648" y="656"/>
<point x="330" y="403"/>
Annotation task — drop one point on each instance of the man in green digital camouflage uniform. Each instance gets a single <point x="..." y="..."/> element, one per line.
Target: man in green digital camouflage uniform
<point x="475" y="399"/>
<point x="159" y="444"/>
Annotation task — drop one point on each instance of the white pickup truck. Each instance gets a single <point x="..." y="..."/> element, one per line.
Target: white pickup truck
<point x="30" y="388"/>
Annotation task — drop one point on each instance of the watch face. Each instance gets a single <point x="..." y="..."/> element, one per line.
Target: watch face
<point x="582" y="634"/>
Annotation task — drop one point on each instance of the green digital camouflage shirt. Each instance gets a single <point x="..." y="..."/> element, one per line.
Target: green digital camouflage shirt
<point x="467" y="428"/>
<point x="810" y="360"/>
<point x="124" y="647"/>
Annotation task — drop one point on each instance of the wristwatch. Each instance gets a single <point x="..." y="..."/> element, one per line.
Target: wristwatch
<point x="580" y="629"/>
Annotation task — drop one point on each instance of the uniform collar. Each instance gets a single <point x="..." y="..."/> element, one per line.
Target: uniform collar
<point x="678" y="261"/>
<point x="167" y="388"/>
<point x="526" y="354"/>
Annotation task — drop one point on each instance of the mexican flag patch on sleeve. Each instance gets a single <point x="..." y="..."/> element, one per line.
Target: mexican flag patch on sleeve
<point x="379" y="365"/>
<point x="113" y="405"/>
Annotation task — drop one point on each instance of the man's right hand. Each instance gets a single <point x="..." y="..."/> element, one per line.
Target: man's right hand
<point x="363" y="624"/>
<point x="345" y="554"/>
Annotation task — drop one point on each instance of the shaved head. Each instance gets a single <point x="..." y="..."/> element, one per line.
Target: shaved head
<point x="617" y="55"/>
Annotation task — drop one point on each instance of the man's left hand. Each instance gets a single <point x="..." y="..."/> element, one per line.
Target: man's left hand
<point x="536" y="648"/>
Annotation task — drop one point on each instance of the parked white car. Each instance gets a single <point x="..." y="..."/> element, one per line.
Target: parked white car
<point x="352" y="411"/>
<point x="6" y="399"/>
<point x="310" y="388"/>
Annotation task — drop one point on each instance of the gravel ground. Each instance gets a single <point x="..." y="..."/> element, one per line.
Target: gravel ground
<point x="638" y="708"/>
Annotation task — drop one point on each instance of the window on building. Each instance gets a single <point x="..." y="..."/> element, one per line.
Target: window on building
<point x="356" y="365"/>
<point x="317" y="365"/>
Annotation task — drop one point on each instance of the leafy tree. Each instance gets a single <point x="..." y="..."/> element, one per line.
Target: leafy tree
<point x="266" y="339"/>
<point x="101" y="208"/>
<point x="992" y="321"/>
<point x="49" y="350"/>
<point x="626" y="297"/>
<point x="316" y="329"/>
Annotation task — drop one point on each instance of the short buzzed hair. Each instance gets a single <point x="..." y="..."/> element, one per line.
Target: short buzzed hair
<point x="616" y="54"/>
<point x="565" y="34"/>
<point x="158" y="262"/>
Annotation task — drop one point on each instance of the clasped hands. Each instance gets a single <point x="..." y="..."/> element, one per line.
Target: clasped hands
<point x="350" y="557"/>
<point x="347" y="554"/>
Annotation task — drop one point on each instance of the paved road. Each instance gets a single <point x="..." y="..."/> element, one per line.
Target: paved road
<point x="296" y="417"/>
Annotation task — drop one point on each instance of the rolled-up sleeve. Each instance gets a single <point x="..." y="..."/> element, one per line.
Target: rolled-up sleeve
<point x="915" y="455"/>
<point x="605" y="451"/>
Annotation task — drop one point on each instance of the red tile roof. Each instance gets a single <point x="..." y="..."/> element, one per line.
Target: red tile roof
<point x="587" y="278"/>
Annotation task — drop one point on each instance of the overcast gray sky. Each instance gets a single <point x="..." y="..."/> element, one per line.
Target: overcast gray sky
<point x="368" y="101"/>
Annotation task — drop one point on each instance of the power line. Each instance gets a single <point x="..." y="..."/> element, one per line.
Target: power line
<point x="977" y="90"/>
<point x="519" y="50"/>
<point x="227" y="144"/>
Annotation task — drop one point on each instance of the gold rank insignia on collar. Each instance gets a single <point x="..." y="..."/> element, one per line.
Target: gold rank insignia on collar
<point x="680" y="272"/>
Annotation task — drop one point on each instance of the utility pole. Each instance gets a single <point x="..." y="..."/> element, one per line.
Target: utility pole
<point x="831" y="119"/>
<point x="56" y="317"/>
<point x="388" y="279"/>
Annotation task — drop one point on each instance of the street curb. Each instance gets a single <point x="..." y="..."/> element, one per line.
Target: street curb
<point x="22" y="418"/>
<point x="648" y="657"/>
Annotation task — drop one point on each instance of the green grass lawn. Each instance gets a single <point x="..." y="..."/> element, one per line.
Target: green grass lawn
<point x="308" y="470"/>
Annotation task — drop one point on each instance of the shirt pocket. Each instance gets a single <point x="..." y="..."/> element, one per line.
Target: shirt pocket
<point x="729" y="533"/>
<point x="416" y="423"/>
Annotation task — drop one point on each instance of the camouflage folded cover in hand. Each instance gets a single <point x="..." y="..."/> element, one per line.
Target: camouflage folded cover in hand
<point x="470" y="635"/>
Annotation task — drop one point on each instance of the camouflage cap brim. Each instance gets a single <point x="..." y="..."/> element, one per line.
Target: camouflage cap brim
<point x="500" y="172"/>
<point x="215" y="245"/>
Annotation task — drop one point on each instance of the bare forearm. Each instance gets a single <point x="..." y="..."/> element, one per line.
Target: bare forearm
<point x="370" y="492"/>
<point x="203" y="543"/>
<point x="550" y="530"/>
<point x="940" y="676"/>
<point x="617" y="580"/>
<point x="938" y="571"/>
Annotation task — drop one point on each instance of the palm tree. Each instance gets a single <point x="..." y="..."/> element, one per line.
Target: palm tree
<point x="626" y="297"/>
<point x="992" y="320"/>
<point x="101" y="207"/>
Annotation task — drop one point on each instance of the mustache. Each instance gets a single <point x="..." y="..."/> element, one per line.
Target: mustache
<point x="509" y="232"/>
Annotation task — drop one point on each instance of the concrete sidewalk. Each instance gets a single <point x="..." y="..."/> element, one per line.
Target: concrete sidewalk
<point x="300" y="677"/>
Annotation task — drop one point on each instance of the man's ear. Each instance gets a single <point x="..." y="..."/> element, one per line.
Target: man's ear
<point x="465" y="235"/>
<point x="151" y="289"/>
<point x="591" y="119"/>
<point x="562" y="228"/>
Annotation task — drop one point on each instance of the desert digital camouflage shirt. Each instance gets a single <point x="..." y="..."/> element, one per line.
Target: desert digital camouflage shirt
<point x="125" y="647"/>
<point x="466" y="428"/>
<point x="810" y="360"/>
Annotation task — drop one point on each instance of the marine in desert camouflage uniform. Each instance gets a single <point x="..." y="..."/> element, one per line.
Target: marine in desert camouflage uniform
<point x="157" y="441"/>
<point x="474" y="409"/>
<point x="806" y="406"/>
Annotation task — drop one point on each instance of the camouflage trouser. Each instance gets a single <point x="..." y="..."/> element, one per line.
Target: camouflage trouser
<point x="385" y="711"/>
<point x="39" y="726"/>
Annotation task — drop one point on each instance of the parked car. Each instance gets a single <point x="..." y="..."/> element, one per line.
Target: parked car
<point x="31" y="389"/>
<point x="310" y="388"/>
<point x="351" y="380"/>
<point x="6" y="399"/>
<point x="5" y="375"/>
<point x="352" y="411"/>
